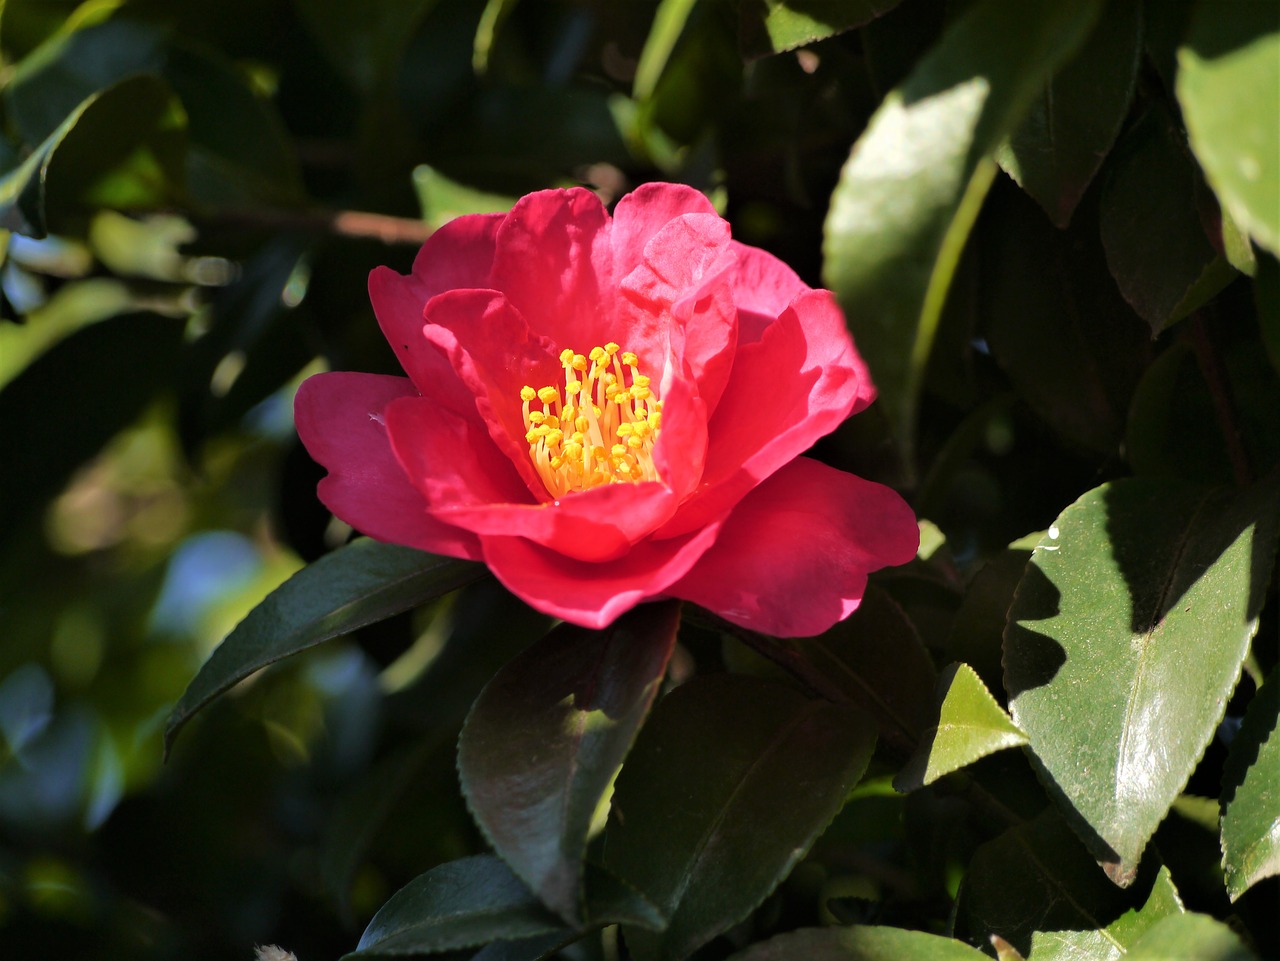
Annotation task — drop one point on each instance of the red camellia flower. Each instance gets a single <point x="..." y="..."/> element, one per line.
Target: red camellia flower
<point x="609" y="410"/>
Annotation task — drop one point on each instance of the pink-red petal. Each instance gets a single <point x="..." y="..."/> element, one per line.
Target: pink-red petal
<point x="339" y="417"/>
<point x="793" y="557"/>
<point x="763" y="287"/>
<point x="794" y="385"/>
<point x="593" y="595"/>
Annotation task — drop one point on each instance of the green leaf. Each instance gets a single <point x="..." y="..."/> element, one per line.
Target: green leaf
<point x="1113" y="941"/>
<point x="356" y="585"/>
<point x="1070" y="128"/>
<point x="668" y="23"/>
<point x="913" y="185"/>
<point x="461" y="904"/>
<point x="970" y="726"/>
<point x="491" y="20"/>
<point x="876" y="655"/>
<point x="859" y="943"/>
<point x="62" y="408"/>
<point x="1132" y="583"/>
<point x="365" y="41"/>
<point x="707" y="819"/>
<point x="1251" y="795"/>
<point x="1229" y="89"/>
<point x="1190" y="936"/>
<point x="442" y="199"/>
<point x="1152" y="231"/>
<point x="544" y="741"/>
<point x="979" y="624"/>
<point x="96" y="137"/>
<point x="1266" y="292"/>
<point x="1038" y="878"/>
<point x="1080" y="361"/>
<point x="775" y="26"/>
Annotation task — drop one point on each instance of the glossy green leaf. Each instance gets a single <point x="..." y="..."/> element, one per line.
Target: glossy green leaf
<point x="859" y="943"/>
<point x="1132" y="583"/>
<point x="1190" y="936"/>
<point x="1115" y="940"/>
<point x="461" y="904"/>
<point x="913" y="185"/>
<point x="706" y="816"/>
<point x="544" y="741"/>
<point x="1070" y="128"/>
<point x="1229" y="89"/>
<point x="877" y="657"/>
<point x="47" y="401"/>
<point x="359" y="584"/>
<point x="1251" y="794"/>
<point x="970" y="725"/>
<point x="1152" y="231"/>
<point x="774" y="26"/>
<point x="1080" y="361"/>
<point x="96" y="136"/>
<point x="1037" y="877"/>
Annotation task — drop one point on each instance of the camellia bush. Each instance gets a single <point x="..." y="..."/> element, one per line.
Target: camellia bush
<point x="763" y="480"/>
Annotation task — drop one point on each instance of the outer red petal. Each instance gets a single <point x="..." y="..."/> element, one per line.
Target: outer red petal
<point x="763" y="287"/>
<point x="339" y="417"/>
<point x="459" y="254"/>
<point x="593" y="595"/>
<point x="469" y="483"/>
<point x="793" y="557"/>
<point x="555" y="265"/>
<point x="794" y="385"/>
<point x="494" y="354"/>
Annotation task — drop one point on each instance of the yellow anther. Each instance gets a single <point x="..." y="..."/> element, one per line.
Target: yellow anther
<point x="571" y="441"/>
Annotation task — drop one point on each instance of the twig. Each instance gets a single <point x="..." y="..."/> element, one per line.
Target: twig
<point x="344" y="223"/>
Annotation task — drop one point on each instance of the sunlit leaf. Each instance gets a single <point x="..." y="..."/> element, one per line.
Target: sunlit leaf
<point x="970" y="725"/>
<point x="859" y="943"/>
<point x="1190" y="936"/>
<point x="356" y="585"/>
<point x="543" y="742"/>
<point x="1132" y="583"/>
<point x="1229" y="89"/>
<point x="706" y="818"/>
<point x="1251" y="796"/>
<point x="774" y="26"/>
<point x="913" y="185"/>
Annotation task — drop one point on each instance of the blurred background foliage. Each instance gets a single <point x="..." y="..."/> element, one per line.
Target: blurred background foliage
<point x="196" y="192"/>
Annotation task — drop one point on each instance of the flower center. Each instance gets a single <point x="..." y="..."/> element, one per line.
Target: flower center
<point x="602" y="430"/>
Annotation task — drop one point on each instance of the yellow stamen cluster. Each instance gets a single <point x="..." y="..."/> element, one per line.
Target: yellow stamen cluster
<point x="601" y="430"/>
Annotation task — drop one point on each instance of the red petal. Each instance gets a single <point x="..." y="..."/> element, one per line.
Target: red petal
<point x="763" y="287"/>
<point x="794" y="385"/>
<point x="793" y="557"/>
<point x="554" y="264"/>
<point x="493" y="353"/>
<point x="339" y="419"/>
<point x="592" y="595"/>
<point x="643" y="212"/>
<point x="468" y="482"/>
<point x="460" y="254"/>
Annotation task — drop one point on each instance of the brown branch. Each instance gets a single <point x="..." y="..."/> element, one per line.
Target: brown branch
<point x="356" y="224"/>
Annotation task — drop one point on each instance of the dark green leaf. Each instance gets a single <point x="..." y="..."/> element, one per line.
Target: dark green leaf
<point x="876" y="655"/>
<point x="48" y="425"/>
<point x="1266" y="291"/>
<point x="773" y="26"/>
<point x="1037" y="878"/>
<point x="1153" y="234"/>
<point x="541" y="746"/>
<point x="970" y="725"/>
<point x="461" y="904"/>
<point x="93" y="139"/>
<point x="1132" y="583"/>
<point x="1190" y="936"/>
<point x="707" y="818"/>
<point x="1062" y="142"/>
<point x="914" y="183"/>
<point x="1113" y="941"/>
<point x="1251" y="796"/>
<point x="356" y="585"/>
<point x="1056" y="324"/>
<point x="859" y="944"/>
<point x="979" y="624"/>
<point x="1229" y="89"/>
<point x="364" y="41"/>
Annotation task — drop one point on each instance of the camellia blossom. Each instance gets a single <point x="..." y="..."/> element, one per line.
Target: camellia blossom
<point x="610" y="410"/>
